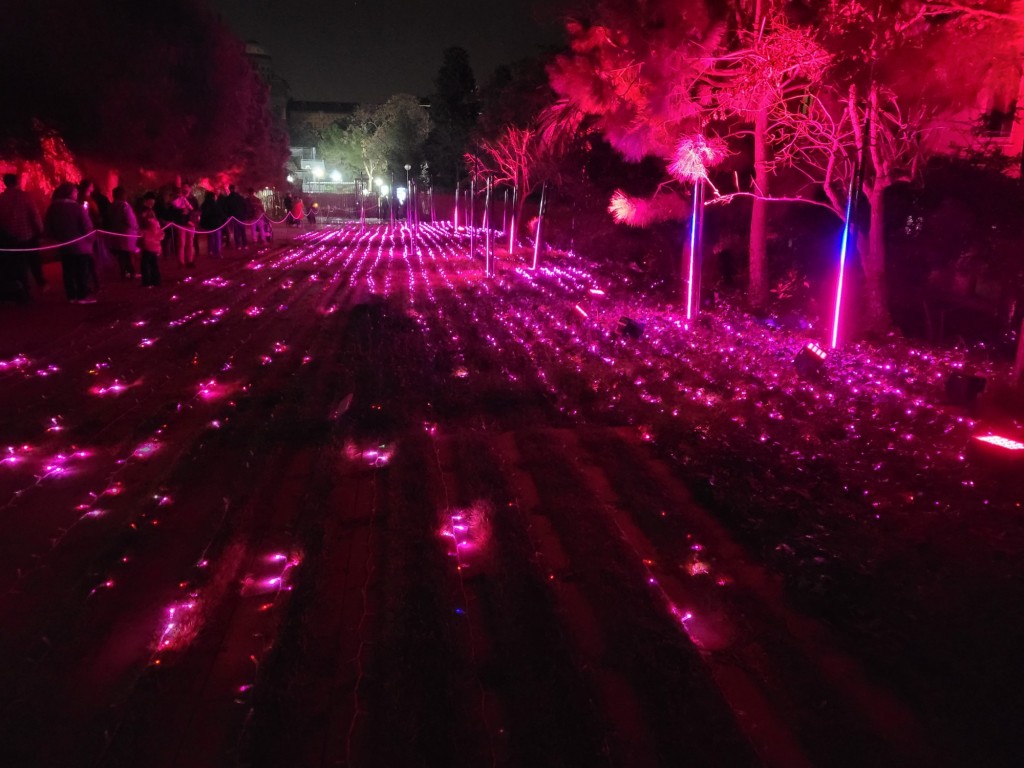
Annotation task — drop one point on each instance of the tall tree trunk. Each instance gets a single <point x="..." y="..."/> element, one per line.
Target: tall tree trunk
<point x="758" y="267"/>
<point x="872" y="256"/>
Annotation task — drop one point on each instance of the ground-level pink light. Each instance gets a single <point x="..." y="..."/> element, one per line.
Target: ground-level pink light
<point x="1000" y="442"/>
<point x="581" y="311"/>
<point x="816" y="350"/>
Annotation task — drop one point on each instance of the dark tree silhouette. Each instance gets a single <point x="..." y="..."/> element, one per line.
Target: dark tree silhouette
<point x="454" y="108"/>
<point x="162" y="86"/>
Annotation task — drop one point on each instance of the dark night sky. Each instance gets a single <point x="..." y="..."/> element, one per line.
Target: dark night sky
<point x="367" y="50"/>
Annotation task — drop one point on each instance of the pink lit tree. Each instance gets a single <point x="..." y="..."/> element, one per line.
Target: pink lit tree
<point x="897" y="78"/>
<point x="520" y="158"/>
<point x="637" y="74"/>
<point x="649" y="76"/>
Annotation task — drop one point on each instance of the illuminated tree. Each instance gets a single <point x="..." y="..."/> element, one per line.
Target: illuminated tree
<point x="650" y="75"/>
<point x="387" y="136"/>
<point x="519" y="158"/>
<point x="769" y="72"/>
<point x="898" y="75"/>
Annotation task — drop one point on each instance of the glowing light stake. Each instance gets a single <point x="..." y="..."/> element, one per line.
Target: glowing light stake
<point x="540" y="224"/>
<point x="842" y="271"/>
<point x="455" y="216"/>
<point x="698" y="189"/>
<point x="512" y="225"/>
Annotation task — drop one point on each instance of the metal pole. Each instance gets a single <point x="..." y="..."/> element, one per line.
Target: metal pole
<point x="512" y="228"/>
<point x="391" y="205"/>
<point x="472" y="218"/>
<point x="540" y="223"/>
<point x="504" y="213"/>
<point x="455" y="214"/>
<point x="488" y="254"/>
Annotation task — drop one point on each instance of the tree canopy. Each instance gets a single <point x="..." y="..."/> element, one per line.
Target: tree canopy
<point x="153" y="85"/>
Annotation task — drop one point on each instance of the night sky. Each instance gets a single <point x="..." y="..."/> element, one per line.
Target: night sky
<point x="365" y="51"/>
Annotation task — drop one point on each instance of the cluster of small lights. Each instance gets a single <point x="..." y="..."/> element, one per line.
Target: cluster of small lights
<point x="877" y="424"/>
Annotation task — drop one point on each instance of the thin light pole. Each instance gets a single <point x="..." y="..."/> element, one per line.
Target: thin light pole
<point x="693" y="271"/>
<point x="512" y="228"/>
<point x="540" y="223"/>
<point x="472" y="218"/>
<point x="488" y="253"/>
<point x="842" y="269"/>
<point x="455" y="217"/>
<point x="391" y="201"/>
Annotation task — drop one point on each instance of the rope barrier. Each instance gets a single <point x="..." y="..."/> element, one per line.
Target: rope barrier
<point x="165" y="227"/>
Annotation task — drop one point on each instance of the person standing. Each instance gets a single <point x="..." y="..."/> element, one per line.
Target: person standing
<point x="211" y="220"/>
<point x="296" y="212"/>
<point x="255" y="213"/>
<point x="236" y="209"/>
<point x="68" y="222"/>
<point x="183" y="210"/>
<point x="125" y="242"/>
<point x="97" y="249"/>
<point x="151" y="233"/>
<point x="20" y="227"/>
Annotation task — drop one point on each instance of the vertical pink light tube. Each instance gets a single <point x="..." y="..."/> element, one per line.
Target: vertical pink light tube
<point x="693" y="250"/>
<point x="455" y="216"/>
<point x="842" y="271"/>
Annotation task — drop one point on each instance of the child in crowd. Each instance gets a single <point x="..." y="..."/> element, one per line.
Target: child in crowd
<point x="151" y="235"/>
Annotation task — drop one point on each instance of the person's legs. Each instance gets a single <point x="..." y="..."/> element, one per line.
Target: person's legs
<point x="124" y="262"/>
<point x="68" y="267"/>
<point x="150" y="269"/>
<point x="189" y="252"/>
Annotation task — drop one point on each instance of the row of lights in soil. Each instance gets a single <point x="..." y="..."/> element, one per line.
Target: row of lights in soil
<point x="877" y="384"/>
<point x="181" y="615"/>
<point x="726" y="378"/>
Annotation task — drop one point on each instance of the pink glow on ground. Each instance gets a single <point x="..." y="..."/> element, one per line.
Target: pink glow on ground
<point x="114" y="389"/>
<point x="1001" y="442"/>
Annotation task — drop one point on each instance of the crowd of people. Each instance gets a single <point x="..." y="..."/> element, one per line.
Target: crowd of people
<point x="87" y="228"/>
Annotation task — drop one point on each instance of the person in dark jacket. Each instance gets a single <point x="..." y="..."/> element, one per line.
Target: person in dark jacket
<point x="68" y="223"/>
<point x="211" y="221"/>
<point x="236" y="209"/>
<point x="20" y="228"/>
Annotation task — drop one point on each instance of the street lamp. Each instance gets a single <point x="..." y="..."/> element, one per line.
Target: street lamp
<point x="336" y="176"/>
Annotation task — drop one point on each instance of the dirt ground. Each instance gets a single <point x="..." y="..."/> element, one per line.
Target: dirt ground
<point x="342" y="501"/>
